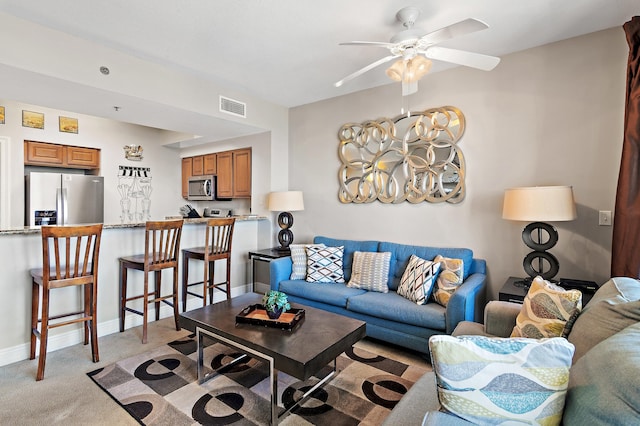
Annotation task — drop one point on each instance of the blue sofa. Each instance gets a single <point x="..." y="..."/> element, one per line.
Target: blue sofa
<point x="390" y="317"/>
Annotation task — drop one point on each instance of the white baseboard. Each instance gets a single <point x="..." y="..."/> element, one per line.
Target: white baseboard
<point x="73" y="337"/>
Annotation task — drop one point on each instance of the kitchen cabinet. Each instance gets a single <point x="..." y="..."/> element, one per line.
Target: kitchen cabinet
<point x="187" y="166"/>
<point x="242" y="173"/>
<point x="210" y="166"/>
<point x="224" y="163"/>
<point x="232" y="168"/>
<point x="197" y="167"/>
<point x="86" y="158"/>
<point x="56" y="155"/>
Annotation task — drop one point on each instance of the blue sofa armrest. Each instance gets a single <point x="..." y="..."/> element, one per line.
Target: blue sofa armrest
<point x="279" y="270"/>
<point x="467" y="303"/>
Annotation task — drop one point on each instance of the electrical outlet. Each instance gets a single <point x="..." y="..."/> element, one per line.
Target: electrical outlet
<point x="604" y="218"/>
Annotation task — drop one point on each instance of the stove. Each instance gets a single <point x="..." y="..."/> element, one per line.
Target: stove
<point x="213" y="212"/>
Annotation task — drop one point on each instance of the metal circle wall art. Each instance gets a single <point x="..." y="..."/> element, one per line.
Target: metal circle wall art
<point x="414" y="157"/>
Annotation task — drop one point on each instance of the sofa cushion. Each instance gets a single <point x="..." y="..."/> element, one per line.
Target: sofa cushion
<point x="370" y="271"/>
<point x="603" y="387"/>
<point x="400" y="254"/>
<point x="324" y="264"/>
<point x="449" y="278"/>
<point x="299" y="260"/>
<point x="418" y="279"/>
<point x="350" y="246"/>
<point x="547" y="310"/>
<point x="332" y="294"/>
<point x="391" y="306"/>
<point x="614" y="307"/>
<point x="502" y="380"/>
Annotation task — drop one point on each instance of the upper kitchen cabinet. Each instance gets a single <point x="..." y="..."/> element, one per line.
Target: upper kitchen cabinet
<point x="234" y="173"/>
<point x="197" y="167"/>
<point x="187" y="167"/>
<point x="55" y="155"/>
<point x="232" y="168"/>
<point x="242" y="173"/>
<point x="224" y="184"/>
<point x="210" y="166"/>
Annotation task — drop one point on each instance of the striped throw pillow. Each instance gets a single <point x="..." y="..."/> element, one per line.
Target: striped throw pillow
<point x="370" y="271"/>
<point x="417" y="280"/>
<point x="299" y="260"/>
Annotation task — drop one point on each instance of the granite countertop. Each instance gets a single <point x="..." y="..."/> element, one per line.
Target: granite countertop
<point x="26" y="230"/>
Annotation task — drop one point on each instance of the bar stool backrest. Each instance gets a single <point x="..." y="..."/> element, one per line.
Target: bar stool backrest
<point x="162" y="244"/>
<point x="70" y="254"/>
<point x="218" y="238"/>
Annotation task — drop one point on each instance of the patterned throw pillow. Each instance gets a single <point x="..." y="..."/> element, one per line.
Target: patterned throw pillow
<point x="546" y="311"/>
<point x="324" y="264"/>
<point x="417" y="280"/>
<point x="449" y="279"/>
<point x="299" y="259"/>
<point x="502" y="380"/>
<point x="370" y="271"/>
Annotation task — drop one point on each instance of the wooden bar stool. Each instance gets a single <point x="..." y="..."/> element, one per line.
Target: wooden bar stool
<point x="218" y="238"/>
<point x="69" y="258"/>
<point x="162" y="248"/>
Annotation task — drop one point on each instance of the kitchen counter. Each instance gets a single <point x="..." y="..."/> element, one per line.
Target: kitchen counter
<point x="26" y="230"/>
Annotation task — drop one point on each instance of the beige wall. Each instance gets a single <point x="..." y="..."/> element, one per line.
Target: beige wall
<point x="549" y="115"/>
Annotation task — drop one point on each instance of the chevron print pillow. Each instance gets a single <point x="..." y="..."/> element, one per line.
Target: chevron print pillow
<point x="324" y="264"/>
<point x="370" y="271"/>
<point x="417" y="280"/>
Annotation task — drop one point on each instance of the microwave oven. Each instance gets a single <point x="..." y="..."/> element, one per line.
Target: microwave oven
<point x="202" y="188"/>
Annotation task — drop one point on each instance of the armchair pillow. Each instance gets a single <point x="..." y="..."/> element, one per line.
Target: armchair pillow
<point x="547" y="311"/>
<point x="324" y="264"/>
<point x="417" y="280"/>
<point x="494" y="380"/>
<point x="370" y="271"/>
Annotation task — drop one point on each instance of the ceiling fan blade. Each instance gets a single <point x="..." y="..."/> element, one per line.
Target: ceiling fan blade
<point x="368" y="43"/>
<point x="454" y="30"/>
<point x="365" y="69"/>
<point x="462" y="57"/>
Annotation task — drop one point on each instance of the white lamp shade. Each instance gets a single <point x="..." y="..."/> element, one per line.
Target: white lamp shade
<point x="539" y="204"/>
<point x="285" y="201"/>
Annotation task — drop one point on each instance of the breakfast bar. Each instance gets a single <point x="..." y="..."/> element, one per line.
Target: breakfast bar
<point x="21" y="250"/>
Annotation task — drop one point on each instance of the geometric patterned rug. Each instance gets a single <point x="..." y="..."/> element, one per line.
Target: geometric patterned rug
<point x="160" y="388"/>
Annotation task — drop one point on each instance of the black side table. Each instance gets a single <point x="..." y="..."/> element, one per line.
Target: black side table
<point x="260" y="267"/>
<point x="514" y="290"/>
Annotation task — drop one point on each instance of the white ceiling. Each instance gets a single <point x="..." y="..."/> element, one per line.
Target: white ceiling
<point x="286" y="51"/>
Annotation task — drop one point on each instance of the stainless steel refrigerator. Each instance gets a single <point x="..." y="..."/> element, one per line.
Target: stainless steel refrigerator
<point x="63" y="199"/>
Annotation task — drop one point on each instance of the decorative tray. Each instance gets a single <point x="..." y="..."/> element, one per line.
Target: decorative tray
<point x="256" y="314"/>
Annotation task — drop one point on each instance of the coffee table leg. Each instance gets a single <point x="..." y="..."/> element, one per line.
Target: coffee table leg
<point x="310" y="392"/>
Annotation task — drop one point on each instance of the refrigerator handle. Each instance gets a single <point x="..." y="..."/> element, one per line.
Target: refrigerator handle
<point x="61" y="204"/>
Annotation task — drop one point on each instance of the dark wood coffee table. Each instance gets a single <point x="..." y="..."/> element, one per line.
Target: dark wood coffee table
<point x="315" y="342"/>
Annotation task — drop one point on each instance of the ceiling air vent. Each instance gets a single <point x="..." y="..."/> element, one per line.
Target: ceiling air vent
<point x="231" y="106"/>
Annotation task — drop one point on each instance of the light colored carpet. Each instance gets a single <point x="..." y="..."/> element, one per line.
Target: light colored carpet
<point x="68" y="396"/>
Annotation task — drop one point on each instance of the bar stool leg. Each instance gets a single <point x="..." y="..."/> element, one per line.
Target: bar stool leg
<point x="86" y="292"/>
<point x="228" y="278"/>
<point x="123" y="293"/>
<point x="145" y="307"/>
<point x="35" y="307"/>
<point x="44" y="334"/>
<point x="185" y="280"/>
<point x="158" y="283"/>
<point x="93" y="323"/>
<point x="176" y="313"/>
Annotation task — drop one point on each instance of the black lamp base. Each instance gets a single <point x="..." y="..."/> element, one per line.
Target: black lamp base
<point x="547" y="264"/>
<point x="285" y="236"/>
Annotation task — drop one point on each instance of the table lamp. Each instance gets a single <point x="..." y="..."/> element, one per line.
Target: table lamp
<point x="285" y="202"/>
<point x="539" y="204"/>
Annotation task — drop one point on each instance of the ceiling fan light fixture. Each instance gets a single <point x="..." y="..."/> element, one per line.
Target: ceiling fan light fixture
<point x="410" y="70"/>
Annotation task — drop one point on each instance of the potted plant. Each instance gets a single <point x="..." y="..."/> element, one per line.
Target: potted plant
<point x="275" y="302"/>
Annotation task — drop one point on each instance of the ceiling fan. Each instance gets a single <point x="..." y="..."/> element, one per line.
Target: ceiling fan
<point x="414" y="48"/>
